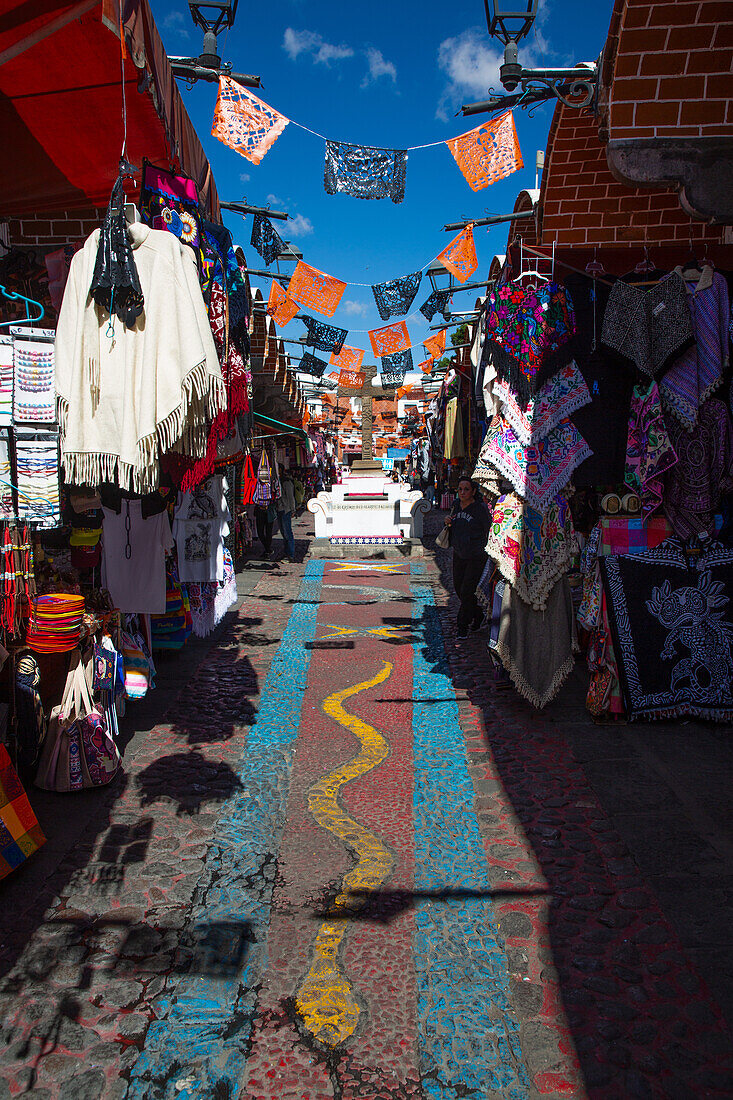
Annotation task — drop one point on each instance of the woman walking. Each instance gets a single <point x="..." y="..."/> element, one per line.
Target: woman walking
<point x="469" y="525"/>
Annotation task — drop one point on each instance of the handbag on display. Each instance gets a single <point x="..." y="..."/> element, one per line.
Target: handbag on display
<point x="78" y="752"/>
<point x="249" y="481"/>
<point x="138" y="673"/>
<point x="263" y="489"/>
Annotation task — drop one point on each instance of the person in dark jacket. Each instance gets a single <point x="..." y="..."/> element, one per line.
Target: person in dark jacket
<point x="469" y="524"/>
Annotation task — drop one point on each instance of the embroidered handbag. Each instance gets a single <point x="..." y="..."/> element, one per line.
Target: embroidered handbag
<point x="249" y="481"/>
<point x="78" y="752"/>
<point x="263" y="488"/>
<point x="136" y="662"/>
<point x="105" y="667"/>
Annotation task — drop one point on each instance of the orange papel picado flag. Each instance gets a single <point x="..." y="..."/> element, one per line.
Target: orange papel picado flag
<point x="391" y="338"/>
<point x="435" y="345"/>
<point x="315" y="289"/>
<point x="426" y="366"/>
<point x="281" y="308"/>
<point x="460" y="255"/>
<point x="347" y="358"/>
<point x="244" y="122"/>
<point x="489" y="152"/>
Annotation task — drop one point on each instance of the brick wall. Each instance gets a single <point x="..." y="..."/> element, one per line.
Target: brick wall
<point x="54" y="230"/>
<point x="583" y="204"/>
<point x="673" y="70"/>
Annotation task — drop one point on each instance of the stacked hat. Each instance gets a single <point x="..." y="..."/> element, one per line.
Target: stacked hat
<point x="55" y="623"/>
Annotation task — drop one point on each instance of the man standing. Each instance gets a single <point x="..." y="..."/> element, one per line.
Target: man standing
<point x="285" y="509"/>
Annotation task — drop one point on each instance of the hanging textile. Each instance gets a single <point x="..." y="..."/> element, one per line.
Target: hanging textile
<point x="704" y="472"/>
<point x="365" y="172"/>
<point x="322" y="336"/>
<point x="265" y="239"/>
<point x="489" y="152"/>
<point x="37" y="465"/>
<point x="312" y="365"/>
<point x="436" y="303"/>
<point x="315" y="289"/>
<point x="20" y="833"/>
<point x="529" y="323"/>
<point x="34" y="399"/>
<point x="347" y="358"/>
<point x="394" y="368"/>
<point x="281" y="308"/>
<point x="170" y="201"/>
<point x="426" y="366"/>
<point x="395" y="297"/>
<point x="435" y="345"/>
<point x="562" y="395"/>
<point x="649" y="327"/>
<point x="538" y="472"/>
<point x="530" y="549"/>
<point x="700" y="370"/>
<point x="391" y="338"/>
<point x="114" y="284"/>
<point x="671" y="618"/>
<point x="649" y="452"/>
<point x="459" y="257"/>
<point x="244" y="122"/>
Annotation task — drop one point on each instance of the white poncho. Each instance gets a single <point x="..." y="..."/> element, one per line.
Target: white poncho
<point x="126" y="398"/>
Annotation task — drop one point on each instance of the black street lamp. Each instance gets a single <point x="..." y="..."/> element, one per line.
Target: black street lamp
<point x="574" y="87"/>
<point x="212" y="16"/>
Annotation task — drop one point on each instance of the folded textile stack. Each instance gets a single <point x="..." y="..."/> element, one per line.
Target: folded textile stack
<point x="55" y="623"/>
<point x="172" y="630"/>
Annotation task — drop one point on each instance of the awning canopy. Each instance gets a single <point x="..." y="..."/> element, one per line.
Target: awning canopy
<point x="278" y="427"/>
<point x="61" y="104"/>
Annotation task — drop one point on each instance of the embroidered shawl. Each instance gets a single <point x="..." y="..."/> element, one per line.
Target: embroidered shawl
<point x="540" y="471"/>
<point x="565" y="393"/>
<point x="530" y="323"/>
<point x="124" y="401"/>
<point x="649" y="453"/>
<point x="531" y="550"/>
<point x="671" y="618"/>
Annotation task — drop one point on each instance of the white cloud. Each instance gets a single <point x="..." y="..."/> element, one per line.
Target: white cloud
<point x="322" y="52"/>
<point x="354" y="309"/>
<point x="274" y="200"/>
<point x="245" y="177"/>
<point x="378" y="66"/>
<point x="176" y="23"/>
<point x="299" y="226"/>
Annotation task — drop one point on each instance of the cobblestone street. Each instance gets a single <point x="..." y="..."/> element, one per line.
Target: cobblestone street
<point x="339" y="863"/>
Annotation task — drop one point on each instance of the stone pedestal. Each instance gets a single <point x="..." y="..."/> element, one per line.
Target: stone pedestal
<point x="368" y="516"/>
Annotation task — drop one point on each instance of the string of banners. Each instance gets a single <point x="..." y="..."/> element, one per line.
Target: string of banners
<point x="251" y="127"/>
<point x="316" y="290"/>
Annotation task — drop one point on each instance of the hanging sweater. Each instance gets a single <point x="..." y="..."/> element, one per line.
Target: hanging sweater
<point x="125" y="397"/>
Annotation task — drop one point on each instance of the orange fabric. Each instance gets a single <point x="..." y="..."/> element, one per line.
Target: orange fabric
<point x="314" y="289"/>
<point x="435" y="345"/>
<point x="244" y="122"/>
<point x="347" y="358"/>
<point x="391" y="338"/>
<point x="460" y="255"/>
<point x="351" y="379"/>
<point x="281" y="308"/>
<point x="489" y="152"/>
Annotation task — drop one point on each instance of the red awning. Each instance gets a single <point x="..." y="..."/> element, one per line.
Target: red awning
<point x="61" y="105"/>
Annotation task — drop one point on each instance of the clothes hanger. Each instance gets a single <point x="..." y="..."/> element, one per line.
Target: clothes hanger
<point x="650" y="275"/>
<point x="28" y="303"/>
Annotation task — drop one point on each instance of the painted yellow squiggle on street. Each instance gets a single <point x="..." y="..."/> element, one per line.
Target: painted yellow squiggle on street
<point x="326" y="1000"/>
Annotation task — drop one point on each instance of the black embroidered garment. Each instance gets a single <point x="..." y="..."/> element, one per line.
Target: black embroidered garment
<point x="436" y="303"/>
<point x="324" y="337"/>
<point x="671" y="617"/>
<point x="365" y="172"/>
<point x="115" y="281"/>
<point x="395" y="297"/>
<point x="311" y="364"/>
<point x="649" y="328"/>
<point x="394" y="368"/>
<point x="265" y="239"/>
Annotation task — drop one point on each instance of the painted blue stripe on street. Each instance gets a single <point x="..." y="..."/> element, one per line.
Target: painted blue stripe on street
<point x="198" y="1045"/>
<point x="468" y="1033"/>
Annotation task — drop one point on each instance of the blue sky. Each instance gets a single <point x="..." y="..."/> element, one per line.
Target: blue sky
<point x="380" y="73"/>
